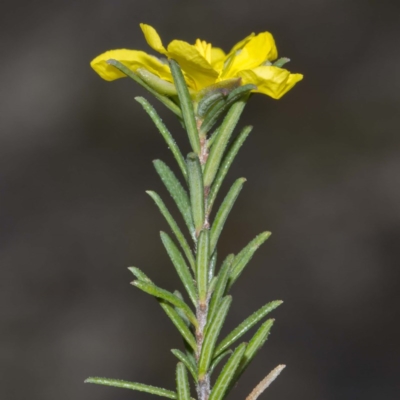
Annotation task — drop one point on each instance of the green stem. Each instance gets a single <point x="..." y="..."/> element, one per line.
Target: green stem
<point x="203" y="383"/>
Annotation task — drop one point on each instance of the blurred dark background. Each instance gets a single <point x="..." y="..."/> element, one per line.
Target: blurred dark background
<point x="323" y="171"/>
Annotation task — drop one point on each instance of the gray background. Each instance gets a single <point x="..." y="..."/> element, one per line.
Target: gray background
<point x="323" y="172"/>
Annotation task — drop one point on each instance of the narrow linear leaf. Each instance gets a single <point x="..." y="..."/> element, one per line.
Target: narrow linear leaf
<point x="245" y="256"/>
<point x="222" y="105"/>
<point x="240" y="92"/>
<point x="177" y="192"/>
<point x="139" y="274"/>
<point x="213" y="263"/>
<point x="159" y="85"/>
<point x="213" y="331"/>
<point x="224" y="211"/>
<point x="163" y="99"/>
<point x="207" y="102"/>
<point x="133" y="386"/>
<point x="165" y="133"/>
<point x="246" y="325"/>
<point x="227" y="374"/>
<point x="179" y="324"/>
<point x="187" y="361"/>
<point x="181" y="267"/>
<point x="212" y="115"/>
<point x="186" y="106"/>
<point x="217" y="360"/>
<point x="182" y="382"/>
<point x="226" y="86"/>
<point x="167" y="296"/>
<point x="190" y="349"/>
<point x="190" y="353"/>
<point x="178" y="294"/>
<point x="212" y="138"/>
<point x="225" y="165"/>
<point x="253" y="347"/>
<point x="211" y="286"/>
<point x="221" y="141"/>
<point x="202" y="261"/>
<point x="196" y="190"/>
<point x="220" y="286"/>
<point x="265" y="383"/>
<point x="174" y="228"/>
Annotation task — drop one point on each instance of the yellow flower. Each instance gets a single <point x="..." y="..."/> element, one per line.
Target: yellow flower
<point x="204" y="65"/>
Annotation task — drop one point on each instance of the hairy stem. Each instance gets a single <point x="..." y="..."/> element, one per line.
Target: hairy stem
<point x="203" y="385"/>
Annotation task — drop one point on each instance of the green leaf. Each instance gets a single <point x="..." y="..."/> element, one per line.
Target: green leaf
<point x="179" y="324"/>
<point x="187" y="361"/>
<point x="211" y="335"/>
<point x="159" y="85"/>
<point x="224" y="87"/>
<point x="207" y="102"/>
<point x="174" y="227"/>
<point x="202" y="261"/>
<point x="181" y="267"/>
<point x="212" y="138"/>
<point x="221" y="106"/>
<point x="177" y="192"/>
<point x="178" y="294"/>
<point x="281" y="62"/>
<point x="182" y="382"/>
<point x="190" y="353"/>
<point x="167" y="296"/>
<point x="224" y="211"/>
<point x="241" y="91"/>
<point x="225" y="165"/>
<point x="211" y="285"/>
<point x="165" y="134"/>
<point x="186" y="106"/>
<point x="247" y="324"/>
<point x="220" y="286"/>
<point x="265" y="383"/>
<point x="139" y="274"/>
<point x="227" y="374"/>
<point x="217" y="360"/>
<point x="253" y="347"/>
<point x="196" y="190"/>
<point x="213" y="262"/>
<point x="212" y="116"/>
<point x="165" y="100"/>
<point x="245" y="256"/>
<point x="218" y="148"/>
<point x="133" y="386"/>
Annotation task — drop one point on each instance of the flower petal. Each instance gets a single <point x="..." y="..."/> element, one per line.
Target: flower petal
<point x="192" y="63"/>
<point x="217" y="58"/>
<point x="272" y="81"/>
<point x="132" y="59"/>
<point x="257" y="50"/>
<point x="153" y="38"/>
<point x="240" y="44"/>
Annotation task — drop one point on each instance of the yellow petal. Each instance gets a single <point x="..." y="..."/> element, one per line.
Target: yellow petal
<point x="132" y="59"/>
<point x="217" y="58"/>
<point x="258" y="49"/>
<point x="272" y="81"/>
<point x="192" y="63"/>
<point x="152" y="38"/>
<point x="204" y="49"/>
<point x="240" y="44"/>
